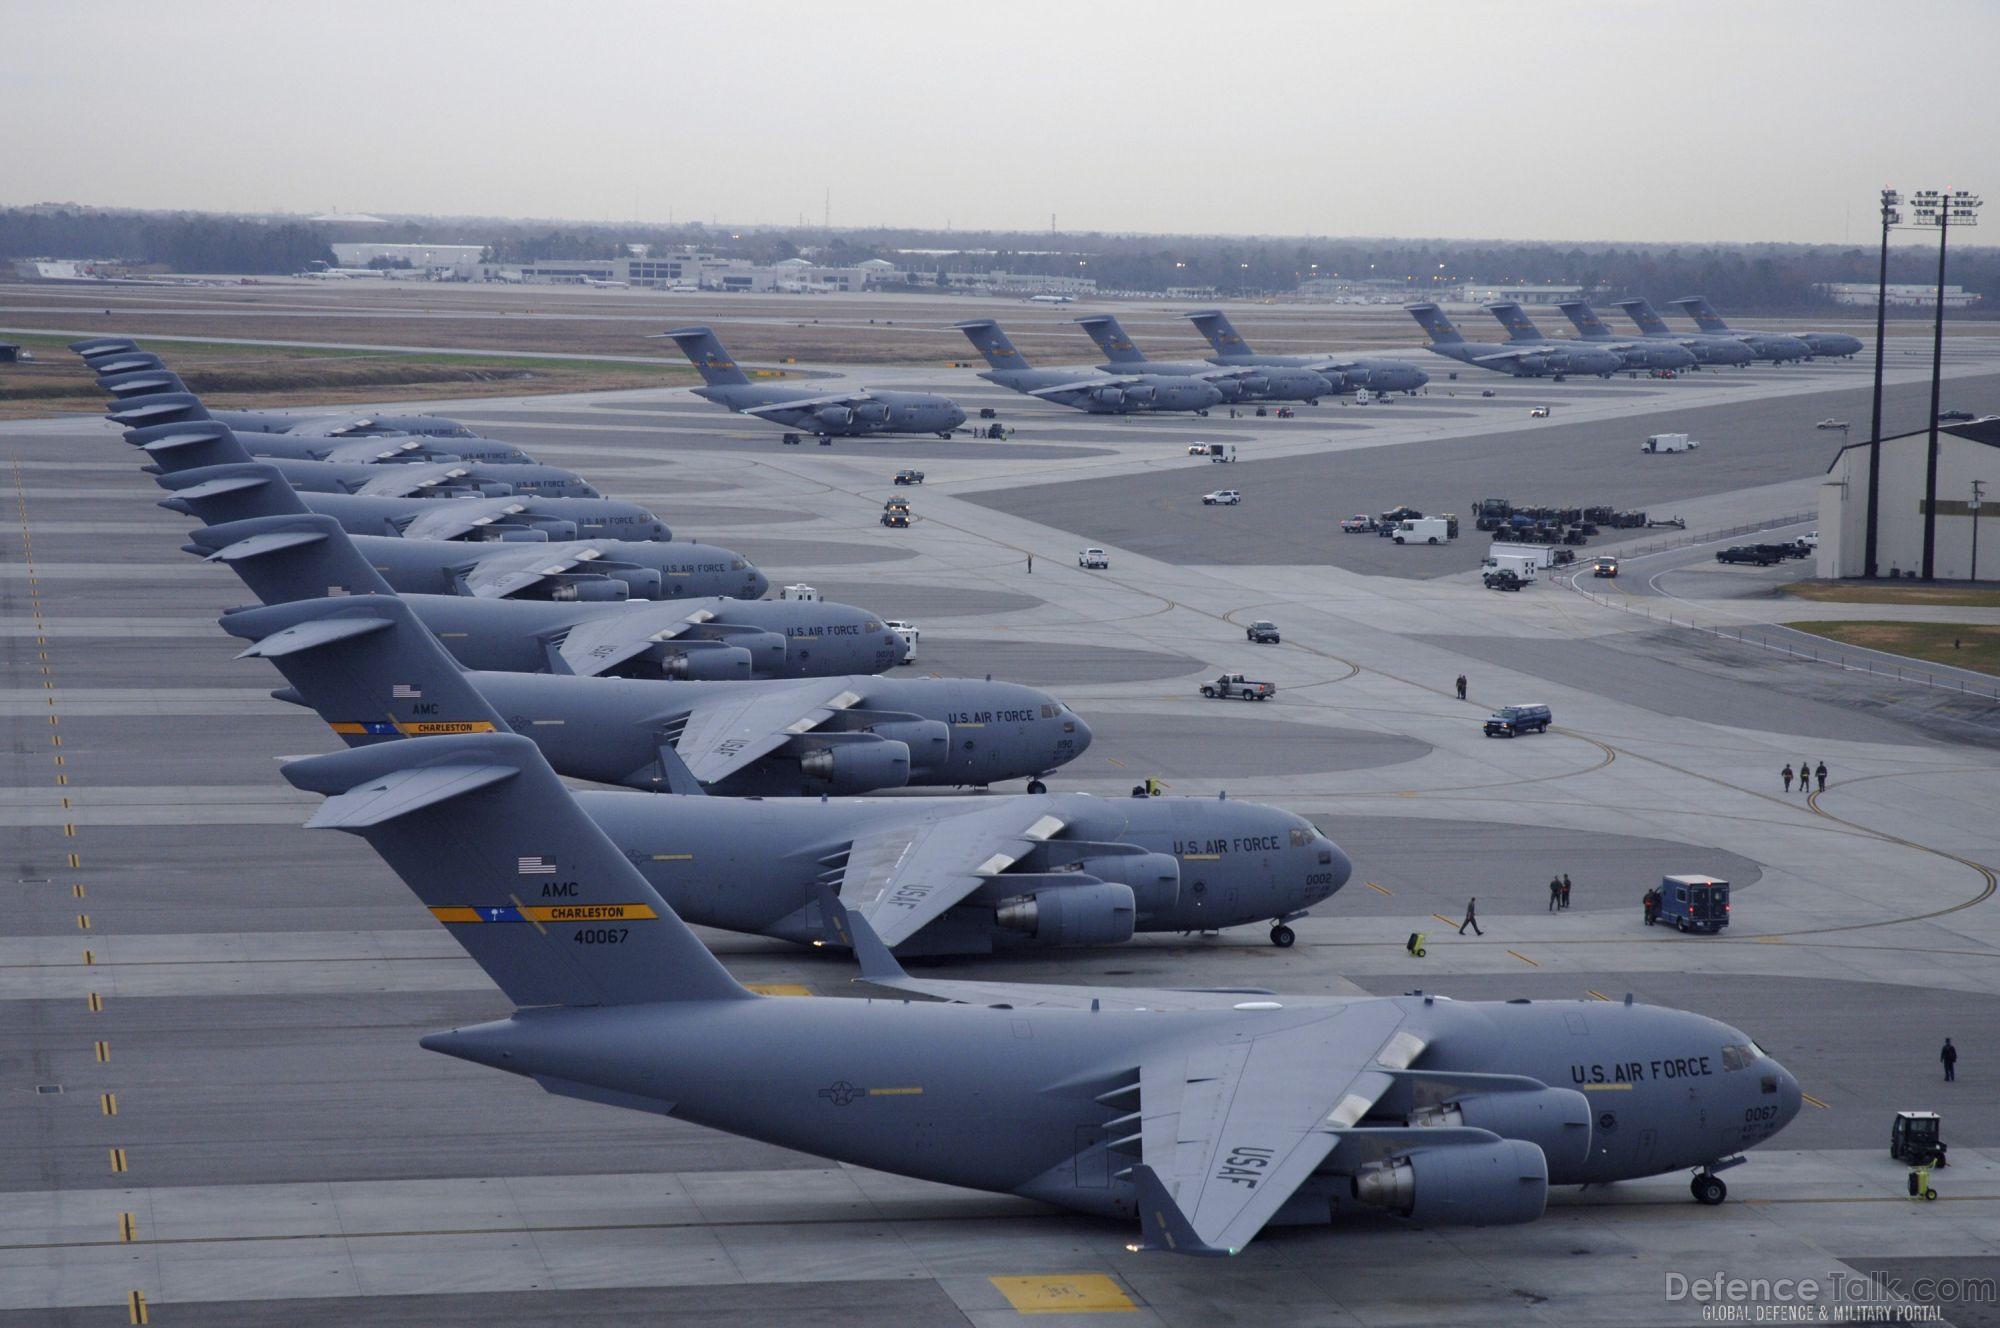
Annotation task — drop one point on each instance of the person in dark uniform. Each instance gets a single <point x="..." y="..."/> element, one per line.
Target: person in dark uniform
<point x="1565" y="890"/>
<point x="1788" y="779"/>
<point x="1461" y="686"/>
<point x="1820" y="775"/>
<point x="1555" y="893"/>
<point x="1652" y="902"/>
<point x="1805" y="779"/>
<point x="1949" y="1055"/>
<point x="1471" y="917"/>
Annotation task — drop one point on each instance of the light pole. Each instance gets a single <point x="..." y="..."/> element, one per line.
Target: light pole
<point x="1978" y="492"/>
<point x="1891" y="216"/>
<point x="1941" y="210"/>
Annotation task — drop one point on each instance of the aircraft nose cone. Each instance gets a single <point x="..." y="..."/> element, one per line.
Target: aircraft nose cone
<point x="755" y="584"/>
<point x="956" y="415"/>
<point x="1343" y="866"/>
<point x="1083" y="734"/>
<point x="1790" y="1097"/>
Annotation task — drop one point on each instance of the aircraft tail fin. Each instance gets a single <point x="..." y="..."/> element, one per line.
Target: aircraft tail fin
<point x="490" y="841"/>
<point x="137" y="382"/>
<point x="93" y="349"/>
<point x="706" y="352"/>
<point x="158" y="408"/>
<point x="1698" y="308"/>
<point x="215" y="494"/>
<point x="1111" y="339"/>
<point x="1584" y="318"/>
<point x="186" y="445"/>
<point x="1515" y="319"/>
<point x="990" y="341"/>
<point x="1214" y="325"/>
<point x="367" y="665"/>
<point x="1645" y="316"/>
<point x="287" y="558"/>
<point x="1432" y="320"/>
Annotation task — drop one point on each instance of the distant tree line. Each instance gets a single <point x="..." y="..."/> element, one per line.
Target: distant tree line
<point x="181" y="242"/>
<point x="1751" y="278"/>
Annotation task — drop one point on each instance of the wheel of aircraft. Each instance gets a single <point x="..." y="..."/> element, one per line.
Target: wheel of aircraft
<point x="1037" y="786"/>
<point x="1708" y="1190"/>
<point x="1283" y="936"/>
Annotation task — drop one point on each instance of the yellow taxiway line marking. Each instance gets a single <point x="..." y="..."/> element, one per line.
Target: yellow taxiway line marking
<point x="1598" y="994"/>
<point x="1380" y="891"/>
<point x="1815" y="1101"/>
<point x="1524" y="959"/>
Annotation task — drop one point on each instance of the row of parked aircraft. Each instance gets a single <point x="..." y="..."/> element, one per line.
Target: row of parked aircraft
<point x="1127" y="382"/>
<point x="1527" y="353"/>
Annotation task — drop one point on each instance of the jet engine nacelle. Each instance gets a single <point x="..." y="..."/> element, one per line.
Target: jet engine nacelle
<point x="1555" y="1120"/>
<point x="589" y="589"/>
<point x="1298" y="384"/>
<point x="928" y="740"/>
<point x="640" y="582"/>
<point x="874" y="412"/>
<point x="518" y="535"/>
<point x="765" y="649"/>
<point x="834" y="417"/>
<point x="858" y="767"/>
<point x="1140" y="394"/>
<point x="1474" y="1185"/>
<point x="495" y="489"/>
<point x="1108" y="396"/>
<point x="706" y="662"/>
<point x="1101" y="913"/>
<point x="1154" y="878"/>
<point x="553" y="530"/>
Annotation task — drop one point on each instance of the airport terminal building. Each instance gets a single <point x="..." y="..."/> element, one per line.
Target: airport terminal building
<point x="1968" y="456"/>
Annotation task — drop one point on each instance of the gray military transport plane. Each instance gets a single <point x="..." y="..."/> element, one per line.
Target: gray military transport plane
<point x="185" y="446"/>
<point x="120" y="355"/>
<point x="1637" y="352"/>
<point x="1530" y="359"/>
<point x="1346" y="373"/>
<point x="1242" y="382"/>
<point x="595" y="571"/>
<point x="1779" y="346"/>
<point x="850" y="734"/>
<point x="1632" y="352"/>
<point x="215" y="494"/>
<point x="844" y="413"/>
<point x="285" y="559"/>
<point x="1708" y="349"/>
<point x="1090" y="390"/>
<point x="1205" y="1115"/>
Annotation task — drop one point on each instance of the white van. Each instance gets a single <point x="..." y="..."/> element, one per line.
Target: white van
<point x="1424" y="530"/>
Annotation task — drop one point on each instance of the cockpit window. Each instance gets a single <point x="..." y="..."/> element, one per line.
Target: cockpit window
<point x="871" y="626"/>
<point x="1300" y="838"/>
<point x="738" y="565"/>
<point x="1048" y="711"/>
<point x="1741" y="1056"/>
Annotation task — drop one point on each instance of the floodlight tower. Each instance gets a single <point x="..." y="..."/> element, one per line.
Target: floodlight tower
<point x="1930" y="207"/>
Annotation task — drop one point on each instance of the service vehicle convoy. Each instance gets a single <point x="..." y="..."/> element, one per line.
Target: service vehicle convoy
<point x="1263" y="633"/>
<point x="1514" y="720"/>
<point x="1093" y="558"/>
<point x="1236" y="687"/>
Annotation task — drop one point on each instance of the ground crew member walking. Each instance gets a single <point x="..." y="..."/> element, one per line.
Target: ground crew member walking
<point x="1031" y="564"/>
<point x="1788" y="779"/>
<point x="1555" y="893"/>
<point x="1820" y="775"/>
<point x="1805" y="779"/>
<point x="1949" y="1055"/>
<point x="1472" y="920"/>
<point x="1461" y="686"/>
<point x="1565" y="890"/>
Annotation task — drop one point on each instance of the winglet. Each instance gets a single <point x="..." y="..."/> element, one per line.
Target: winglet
<point x="877" y="964"/>
<point x="680" y="779"/>
<point x="1162" y="1224"/>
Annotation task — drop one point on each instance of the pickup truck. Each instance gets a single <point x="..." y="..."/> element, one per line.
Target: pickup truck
<point x="909" y="477"/>
<point x="1262" y="633"/>
<point x="1503" y="578"/>
<point x="1748" y="553"/>
<point x="1359" y="524"/>
<point x="1237" y="687"/>
<point x="1606" y="566"/>
<point x="1093" y="558"/>
<point x="896" y="520"/>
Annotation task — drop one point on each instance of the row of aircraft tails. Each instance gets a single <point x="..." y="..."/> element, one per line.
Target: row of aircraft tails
<point x="1596" y="349"/>
<point x="1196" y="1117"/>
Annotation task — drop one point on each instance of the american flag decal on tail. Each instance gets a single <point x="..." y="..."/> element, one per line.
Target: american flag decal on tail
<point x="538" y="865"/>
<point x="403" y="691"/>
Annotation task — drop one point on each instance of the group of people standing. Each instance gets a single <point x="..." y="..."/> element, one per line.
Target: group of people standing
<point x="1805" y="776"/>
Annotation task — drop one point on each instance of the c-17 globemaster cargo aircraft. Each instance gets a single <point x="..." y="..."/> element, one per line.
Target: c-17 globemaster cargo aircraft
<point x="849" y="734"/>
<point x="838" y="413"/>
<point x="1205" y="1116"/>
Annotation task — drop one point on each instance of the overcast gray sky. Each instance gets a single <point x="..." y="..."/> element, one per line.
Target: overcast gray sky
<point x="1519" y="119"/>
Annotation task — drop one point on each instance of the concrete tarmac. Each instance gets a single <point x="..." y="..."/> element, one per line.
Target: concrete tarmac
<point x="247" y="997"/>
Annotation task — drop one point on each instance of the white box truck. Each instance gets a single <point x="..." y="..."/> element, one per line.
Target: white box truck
<point x="1423" y="530"/>
<point x="1222" y="451"/>
<point x="1523" y="565"/>
<point x="1539" y="555"/>
<point x="1669" y="442"/>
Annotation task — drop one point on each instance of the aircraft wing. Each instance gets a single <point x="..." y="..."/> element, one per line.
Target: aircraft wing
<point x="449" y="518"/>
<point x="408" y="481"/>
<point x="371" y="450"/>
<point x="1084" y="385"/>
<point x="498" y="575"/>
<point x="597" y="645"/>
<point x="808" y="403"/>
<point x="1228" y="1132"/>
<point x="725" y="735"/>
<point x="1525" y="353"/>
<point x="904" y="878"/>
